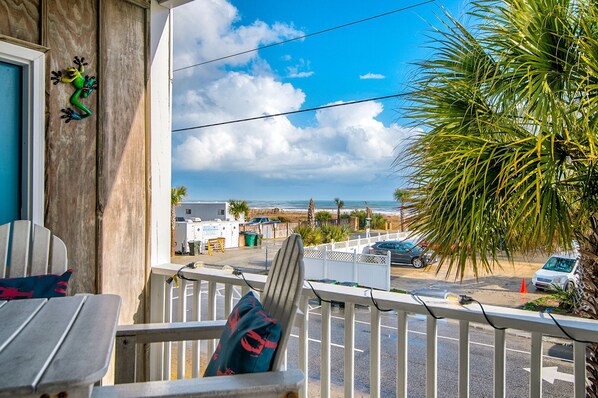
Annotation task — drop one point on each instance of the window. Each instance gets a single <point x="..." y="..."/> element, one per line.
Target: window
<point x="221" y="212"/>
<point x="22" y="133"/>
<point x="187" y="211"/>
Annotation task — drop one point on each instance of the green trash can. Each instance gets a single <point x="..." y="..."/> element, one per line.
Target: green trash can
<point x="250" y="239"/>
<point x="191" y="248"/>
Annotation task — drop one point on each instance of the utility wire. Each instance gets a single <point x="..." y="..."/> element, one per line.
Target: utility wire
<point x="290" y="112"/>
<point x="305" y="36"/>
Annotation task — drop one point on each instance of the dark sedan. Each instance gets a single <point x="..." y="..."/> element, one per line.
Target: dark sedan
<point x="403" y="252"/>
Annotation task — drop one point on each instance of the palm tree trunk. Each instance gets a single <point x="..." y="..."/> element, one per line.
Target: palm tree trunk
<point x="587" y="306"/>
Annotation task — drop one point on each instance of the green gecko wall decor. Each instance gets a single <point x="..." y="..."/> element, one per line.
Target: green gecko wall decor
<point x="84" y="86"/>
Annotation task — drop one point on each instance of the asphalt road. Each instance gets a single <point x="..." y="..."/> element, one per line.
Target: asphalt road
<point x="557" y="357"/>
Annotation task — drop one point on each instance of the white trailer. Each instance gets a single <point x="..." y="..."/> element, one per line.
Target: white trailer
<point x="194" y="231"/>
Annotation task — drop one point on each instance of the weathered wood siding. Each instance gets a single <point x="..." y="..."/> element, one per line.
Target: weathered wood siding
<point x="20" y="19"/>
<point x="122" y="180"/>
<point x="97" y="172"/>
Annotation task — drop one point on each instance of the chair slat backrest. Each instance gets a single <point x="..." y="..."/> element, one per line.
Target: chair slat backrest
<point x="33" y="249"/>
<point x="280" y="297"/>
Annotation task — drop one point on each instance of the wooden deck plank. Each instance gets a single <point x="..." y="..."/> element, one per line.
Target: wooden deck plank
<point x="95" y="325"/>
<point x="28" y="362"/>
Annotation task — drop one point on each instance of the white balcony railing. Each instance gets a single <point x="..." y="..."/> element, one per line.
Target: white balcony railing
<point x="213" y="298"/>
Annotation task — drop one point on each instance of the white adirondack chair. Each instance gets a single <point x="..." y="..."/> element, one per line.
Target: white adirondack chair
<point x="280" y="299"/>
<point x="33" y="250"/>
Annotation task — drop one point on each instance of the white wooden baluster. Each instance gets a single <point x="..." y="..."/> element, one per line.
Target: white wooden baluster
<point x="244" y="290"/>
<point x="535" y="375"/>
<point x="304" y="345"/>
<point x="157" y="311"/>
<point x="431" y="356"/>
<point x="374" y="352"/>
<point x="196" y="316"/>
<point x="349" y="349"/>
<point x="402" y="340"/>
<point x="167" y="346"/>
<point x="579" y="356"/>
<point x="499" y="363"/>
<point x="463" y="359"/>
<point x="182" y="314"/>
<point x="228" y="299"/>
<point x="325" y="351"/>
<point x="211" y="313"/>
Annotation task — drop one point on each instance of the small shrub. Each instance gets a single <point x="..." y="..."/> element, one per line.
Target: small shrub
<point x="310" y="236"/>
<point x="323" y="216"/>
<point x="335" y="233"/>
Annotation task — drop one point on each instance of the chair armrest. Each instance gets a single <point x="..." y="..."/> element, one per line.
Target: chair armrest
<point x="175" y="331"/>
<point x="267" y="384"/>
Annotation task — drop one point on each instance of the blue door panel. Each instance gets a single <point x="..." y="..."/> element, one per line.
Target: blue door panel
<point x="10" y="142"/>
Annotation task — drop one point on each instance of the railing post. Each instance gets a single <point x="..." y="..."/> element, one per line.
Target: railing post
<point x="374" y="352"/>
<point x="125" y="360"/>
<point x="325" y="351"/>
<point x="182" y="318"/>
<point x="196" y="316"/>
<point x="499" y="363"/>
<point x="535" y="374"/>
<point x="211" y="313"/>
<point x="463" y="359"/>
<point x="431" y="356"/>
<point x="579" y="372"/>
<point x="157" y="312"/>
<point x="349" y="350"/>
<point x="304" y="345"/>
<point x="402" y="361"/>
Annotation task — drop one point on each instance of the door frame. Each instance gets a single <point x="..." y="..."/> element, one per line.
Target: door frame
<point x="33" y="65"/>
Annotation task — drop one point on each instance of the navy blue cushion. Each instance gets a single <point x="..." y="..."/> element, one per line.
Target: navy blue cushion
<point x="248" y="341"/>
<point x="38" y="286"/>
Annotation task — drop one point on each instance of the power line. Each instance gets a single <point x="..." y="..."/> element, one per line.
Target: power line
<point x="305" y="36"/>
<point x="290" y="112"/>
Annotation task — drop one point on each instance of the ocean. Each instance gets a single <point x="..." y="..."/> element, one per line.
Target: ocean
<point x="377" y="206"/>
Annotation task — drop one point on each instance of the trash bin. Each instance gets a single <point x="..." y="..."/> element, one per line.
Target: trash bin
<point x="258" y="239"/>
<point x="250" y="239"/>
<point x="350" y="284"/>
<point x="198" y="247"/>
<point x="191" y="248"/>
<point x="241" y="239"/>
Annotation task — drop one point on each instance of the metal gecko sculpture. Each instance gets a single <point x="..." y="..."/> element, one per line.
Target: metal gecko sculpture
<point x="84" y="86"/>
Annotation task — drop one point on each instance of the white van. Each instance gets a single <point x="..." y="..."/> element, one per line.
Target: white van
<point x="560" y="270"/>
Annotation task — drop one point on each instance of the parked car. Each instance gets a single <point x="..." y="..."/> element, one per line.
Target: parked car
<point x="261" y="220"/>
<point x="560" y="270"/>
<point x="403" y="252"/>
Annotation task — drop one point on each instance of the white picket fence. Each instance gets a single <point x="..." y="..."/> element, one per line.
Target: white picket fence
<point x="368" y="270"/>
<point x="360" y="243"/>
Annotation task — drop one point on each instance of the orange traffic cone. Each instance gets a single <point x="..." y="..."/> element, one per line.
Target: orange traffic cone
<point x="523" y="287"/>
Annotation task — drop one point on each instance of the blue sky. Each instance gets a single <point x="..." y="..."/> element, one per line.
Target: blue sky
<point x="344" y="152"/>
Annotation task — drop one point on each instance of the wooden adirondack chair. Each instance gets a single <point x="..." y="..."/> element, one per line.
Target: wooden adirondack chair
<point x="280" y="299"/>
<point x="33" y="250"/>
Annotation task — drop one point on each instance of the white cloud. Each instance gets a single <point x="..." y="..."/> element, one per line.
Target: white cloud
<point x="301" y="70"/>
<point x="346" y="142"/>
<point x="372" y="76"/>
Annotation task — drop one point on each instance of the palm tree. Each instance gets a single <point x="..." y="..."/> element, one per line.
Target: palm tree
<point x="339" y="205"/>
<point x="176" y="195"/>
<point x="510" y="153"/>
<point x="311" y="213"/>
<point x="402" y="196"/>
<point x="238" y="207"/>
